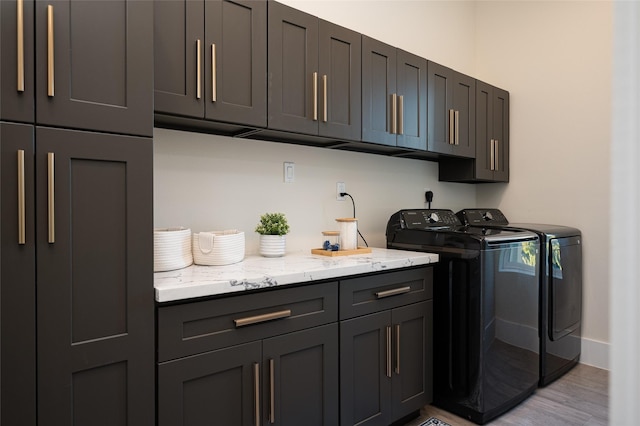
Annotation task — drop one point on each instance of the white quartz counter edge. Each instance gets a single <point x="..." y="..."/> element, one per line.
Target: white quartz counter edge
<point x="260" y="272"/>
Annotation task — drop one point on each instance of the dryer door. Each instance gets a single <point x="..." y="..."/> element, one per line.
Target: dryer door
<point x="565" y="286"/>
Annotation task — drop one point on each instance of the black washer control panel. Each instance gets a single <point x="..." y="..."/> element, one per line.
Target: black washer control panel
<point x="482" y="217"/>
<point x="428" y="218"/>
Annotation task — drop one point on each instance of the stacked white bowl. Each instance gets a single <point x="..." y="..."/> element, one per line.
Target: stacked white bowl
<point x="217" y="248"/>
<point x="171" y="248"/>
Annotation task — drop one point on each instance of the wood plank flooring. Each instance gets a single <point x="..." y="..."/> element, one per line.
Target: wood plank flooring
<point x="580" y="397"/>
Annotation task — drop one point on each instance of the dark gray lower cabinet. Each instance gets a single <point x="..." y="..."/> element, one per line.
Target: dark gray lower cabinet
<point x="290" y="379"/>
<point x="95" y="313"/>
<point x="386" y="337"/>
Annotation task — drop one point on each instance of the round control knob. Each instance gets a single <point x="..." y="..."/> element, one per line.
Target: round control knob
<point x="433" y="218"/>
<point x="487" y="216"/>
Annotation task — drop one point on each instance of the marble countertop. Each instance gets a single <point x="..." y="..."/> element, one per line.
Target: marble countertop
<point x="260" y="272"/>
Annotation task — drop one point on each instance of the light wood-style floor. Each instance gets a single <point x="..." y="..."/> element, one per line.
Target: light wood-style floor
<point x="580" y="397"/>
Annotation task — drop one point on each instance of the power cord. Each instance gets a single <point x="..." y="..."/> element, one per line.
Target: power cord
<point x="342" y="194"/>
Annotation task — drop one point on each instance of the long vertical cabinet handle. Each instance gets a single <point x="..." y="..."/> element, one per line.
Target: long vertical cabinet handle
<point x="198" y="69"/>
<point x="493" y="155"/>
<point x="400" y="114"/>
<point x="256" y="393"/>
<point x="497" y="156"/>
<point x="394" y="113"/>
<point x="21" y="199"/>
<point x="20" y="42"/>
<point x="214" y="74"/>
<point x="452" y="118"/>
<point x="457" y="120"/>
<point x="272" y="391"/>
<point x="50" y="53"/>
<point x="324" y="95"/>
<point x="388" y="351"/>
<point x="397" y="369"/>
<point x="315" y="96"/>
<point x="51" y="197"/>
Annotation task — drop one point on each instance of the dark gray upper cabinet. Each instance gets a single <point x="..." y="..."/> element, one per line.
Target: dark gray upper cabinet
<point x="492" y="133"/>
<point x="314" y="75"/>
<point x="16" y="68"/>
<point x="18" y="275"/>
<point x="94" y="65"/>
<point x="394" y="96"/>
<point x="451" y="110"/>
<point x="95" y="297"/>
<point x="491" y="163"/>
<point x="210" y="60"/>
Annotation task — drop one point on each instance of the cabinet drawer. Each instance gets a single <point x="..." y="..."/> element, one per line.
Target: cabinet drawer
<point x="198" y="327"/>
<point x="373" y="293"/>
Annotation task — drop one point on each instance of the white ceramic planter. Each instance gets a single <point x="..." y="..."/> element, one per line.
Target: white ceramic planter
<point x="272" y="245"/>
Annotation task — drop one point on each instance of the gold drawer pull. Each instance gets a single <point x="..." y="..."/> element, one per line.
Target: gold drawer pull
<point x="256" y="393"/>
<point x="262" y="318"/>
<point x="393" y="292"/>
<point x="21" y="199"/>
<point x="50" y="53"/>
<point x="20" y="43"/>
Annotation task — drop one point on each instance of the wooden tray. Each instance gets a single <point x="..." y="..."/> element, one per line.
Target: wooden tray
<point x="323" y="252"/>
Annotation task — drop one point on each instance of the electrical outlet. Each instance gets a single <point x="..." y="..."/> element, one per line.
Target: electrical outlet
<point x="424" y="194"/>
<point x="340" y="188"/>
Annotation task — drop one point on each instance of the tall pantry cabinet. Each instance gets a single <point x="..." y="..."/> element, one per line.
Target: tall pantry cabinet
<point x="76" y="120"/>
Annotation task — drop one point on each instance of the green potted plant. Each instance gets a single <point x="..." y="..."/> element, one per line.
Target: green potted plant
<point x="272" y="229"/>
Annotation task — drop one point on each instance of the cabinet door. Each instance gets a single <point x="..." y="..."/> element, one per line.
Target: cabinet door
<point x="485" y="145"/>
<point x="101" y="65"/>
<point x="95" y="295"/>
<point x="501" y="134"/>
<point x="451" y="112"/>
<point x="178" y="32"/>
<point x="412" y="101"/>
<point x="365" y="374"/>
<point x="301" y="377"/>
<point x="413" y="365"/>
<point x="16" y="67"/>
<point x="216" y="387"/>
<point x="236" y="77"/>
<point x="378" y="88"/>
<point x="464" y="103"/>
<point x="17" y="280"/>
<point x="293" y="70"/>
<point x="339" y="84"/>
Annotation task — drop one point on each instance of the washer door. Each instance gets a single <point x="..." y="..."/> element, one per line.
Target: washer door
<point x="565" y="286"/>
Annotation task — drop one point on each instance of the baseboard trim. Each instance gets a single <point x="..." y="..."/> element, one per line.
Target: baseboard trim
<point x="595" y="353"/>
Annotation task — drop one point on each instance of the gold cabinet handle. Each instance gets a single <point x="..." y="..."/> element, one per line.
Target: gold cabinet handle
<point x="394" y="112"/>
<point x="50" y="53"/>
<point x="272" y="391"/>
<point x="324" y="95"/>
<point x="393" y="292"/>
<point x="388" y="351"/>
<point x="452" y="119"/>
<point x="400" y="114"/>
<point x="20" y="43"/>
<point x="256" y="393"/>
<point x="397" y="369"/>
<point x="241" y="322"/>
<point x="21" y="199"/>
<point x="497" y="156"/>
<point x="51" y="197"/>
<point x="457" y="121"/>
<point x="492" y="163"/>
<point x="198" y="70"/>
<point x="315" y="96"/>
<point x="214" y="75"/>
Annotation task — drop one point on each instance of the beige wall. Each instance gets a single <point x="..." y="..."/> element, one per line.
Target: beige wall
<point x="553" y="57"/>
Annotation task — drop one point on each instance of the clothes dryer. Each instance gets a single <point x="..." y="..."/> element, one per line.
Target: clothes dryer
<point x="560" y="310"/>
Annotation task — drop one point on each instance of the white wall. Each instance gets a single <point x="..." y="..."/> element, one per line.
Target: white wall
<point x="553" y="57"/>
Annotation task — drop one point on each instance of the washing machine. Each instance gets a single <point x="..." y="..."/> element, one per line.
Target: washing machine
<point x="560" y="310"/>
<point x="485" y="349"/>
